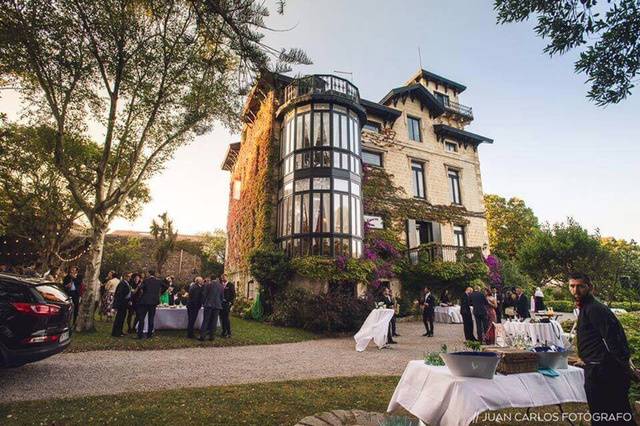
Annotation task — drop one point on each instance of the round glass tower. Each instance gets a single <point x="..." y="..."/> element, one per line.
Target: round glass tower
<point x="320" y="169"/>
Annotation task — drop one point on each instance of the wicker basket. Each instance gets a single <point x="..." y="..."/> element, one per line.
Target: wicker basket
<point x="514" y="361"/>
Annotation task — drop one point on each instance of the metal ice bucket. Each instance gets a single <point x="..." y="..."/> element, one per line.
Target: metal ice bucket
<point x="555" y="360"/>
<point x="472" y="364"/>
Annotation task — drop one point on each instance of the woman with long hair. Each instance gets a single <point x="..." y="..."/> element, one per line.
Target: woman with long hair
<point x="492" y="305"/>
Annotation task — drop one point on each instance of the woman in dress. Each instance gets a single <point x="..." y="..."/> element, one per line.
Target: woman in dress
<point x="492" y="305"/>
<point x="132" y="317"/>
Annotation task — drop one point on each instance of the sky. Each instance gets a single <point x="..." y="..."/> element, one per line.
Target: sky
<point x="559" y="152"/>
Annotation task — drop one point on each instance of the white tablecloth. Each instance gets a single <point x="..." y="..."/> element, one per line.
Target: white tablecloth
<point x="375" y="327"/>
<point x="549" y="333"/>
<point x="173" y="319"/>
<point x="448" y="314"/>
<point x="437" y="397"/>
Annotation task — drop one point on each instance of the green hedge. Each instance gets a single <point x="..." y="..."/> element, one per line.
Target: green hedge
<point x="569" y="305"/>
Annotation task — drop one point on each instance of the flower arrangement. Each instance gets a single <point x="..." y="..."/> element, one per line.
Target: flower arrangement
<point x="434" y="358"/>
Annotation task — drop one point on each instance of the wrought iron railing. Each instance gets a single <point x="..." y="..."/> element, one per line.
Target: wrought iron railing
<point x="442" y="252"/>
<point x="320" y="83"/>
<point x="458" y="108"/>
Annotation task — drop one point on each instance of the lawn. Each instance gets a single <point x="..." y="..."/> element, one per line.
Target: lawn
<point x="244" y="333"/>
<point x="279" y="403"/>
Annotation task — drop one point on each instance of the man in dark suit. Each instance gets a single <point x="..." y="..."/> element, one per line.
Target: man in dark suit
<point x="522" y="304"/>
<point x="479" y="303"/>
<point x="465" y="311"/>
<point x="229" y="296"/>
<point x="121" y="300"/>
<point x="388" y="303"/>
<point x="194" y="303"/>
<point x="71" y="283"/>
<point x="428" y="305"/>
<point x="212" y="302"/>
<point x="150" y="291"/>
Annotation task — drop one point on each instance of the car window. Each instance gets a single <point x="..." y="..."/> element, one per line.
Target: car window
<point x="52" y="293"/>
<point x="13" y="292"/>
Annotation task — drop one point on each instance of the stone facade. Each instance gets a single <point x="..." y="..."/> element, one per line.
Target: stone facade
<point x="444" y="146"/>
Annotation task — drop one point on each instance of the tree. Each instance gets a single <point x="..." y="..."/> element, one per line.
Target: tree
<point x="624" y="281"/>
<point x="509" y="223"/>
<point x="557" y="250"/>
<point x="272" y="269"/>
<point x="212" y="253"/>
<point x="609" y="37"/>
<point x="152" y="74"/>
<point x="165" y="238"/>
<point x="121" y="255"/>
<point x="36" y="205"/>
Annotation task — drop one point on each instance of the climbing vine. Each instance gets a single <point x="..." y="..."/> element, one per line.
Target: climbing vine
<point x="381" y="196"/>
<point x="250" y="216"/>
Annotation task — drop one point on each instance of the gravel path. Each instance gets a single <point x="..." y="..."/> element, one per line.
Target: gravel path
<point x="111" y="372"/>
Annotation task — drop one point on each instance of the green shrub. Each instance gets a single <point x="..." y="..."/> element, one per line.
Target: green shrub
<point x="569" y="305"/>
<point x="561" y="305"/>
<point x="631" y="324"/>
<point x="320" y="313"/>
<point x="240" y="305"/>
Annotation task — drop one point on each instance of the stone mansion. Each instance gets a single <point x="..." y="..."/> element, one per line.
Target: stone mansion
<point x="297" y="173"/>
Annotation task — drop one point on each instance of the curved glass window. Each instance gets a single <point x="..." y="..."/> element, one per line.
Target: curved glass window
<point x="319" y="200"/>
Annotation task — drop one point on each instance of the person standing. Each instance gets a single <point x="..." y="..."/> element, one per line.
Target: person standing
<point x="150" y="291"/>
<point x="229" y="296"/>
<point x="492" y="305"/>
<point x="396" y="311"/>
<point x="499" y="300"/>
<point x="539" y="300"/>
<point x="71" y="284"/>
<point x="194" y="303"/>
<point x="121" y="301"/>
<point x="428" y="305"/>
<point x="109" y="290"/>
<point x="465" y="311"/>
<point x="212" y="302"/>
<point x="132" y="317"/>
<point x="385" y="298"/>
<point x="479" y="303"/>
<point x="603" y="348"/>
<point x="522" y="304"/>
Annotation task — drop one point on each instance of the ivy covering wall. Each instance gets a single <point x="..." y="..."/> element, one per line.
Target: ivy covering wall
<point x="250" y="222"/>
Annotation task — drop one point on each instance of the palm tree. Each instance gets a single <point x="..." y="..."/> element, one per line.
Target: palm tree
<point x="165" y="240"/>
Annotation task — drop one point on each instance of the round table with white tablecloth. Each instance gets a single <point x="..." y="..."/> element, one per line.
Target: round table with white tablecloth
<point x="167" y="318"/>
<point x="448" y="314"/>
<point x="375" y="327"/>
<point x="549" y="333"/>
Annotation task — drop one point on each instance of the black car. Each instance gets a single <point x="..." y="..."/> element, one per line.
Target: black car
<point x="35" y="319"/>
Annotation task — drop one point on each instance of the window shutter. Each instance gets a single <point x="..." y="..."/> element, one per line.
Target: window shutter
<point x="437" y="232"/>
<point x="411" y="234"/>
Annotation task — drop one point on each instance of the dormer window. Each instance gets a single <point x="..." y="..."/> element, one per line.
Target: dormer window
<point x="444" y="99"/>
<point x="451" y="147"/>
<point x="372" y="126"/>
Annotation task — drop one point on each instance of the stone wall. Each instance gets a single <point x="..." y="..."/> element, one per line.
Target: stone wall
<point x="182" y="264"/>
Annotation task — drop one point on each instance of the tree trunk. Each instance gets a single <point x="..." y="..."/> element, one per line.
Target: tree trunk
<point x="92" y="281"/>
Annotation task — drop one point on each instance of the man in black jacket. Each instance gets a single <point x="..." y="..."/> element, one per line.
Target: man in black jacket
<point x="603" y="347"/>
<point x="71" y="283"/>
<point x="522" y="304"/>
<point x="428" y="305"/>
<point x="212" y="303"/>
<point x="229" y="296"/>
<point x="194" y="303"/>
<point x="121" y="300"/>
<point x="465" y="311"/>
<point x="479" y="303"/>
<point x="150" y="289"/>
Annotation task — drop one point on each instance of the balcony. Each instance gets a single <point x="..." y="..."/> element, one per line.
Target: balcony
<point x="321" y="84"/>
<point x="446" y="253"/>
<point x="459" y="109"/>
